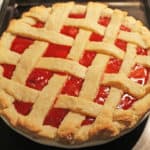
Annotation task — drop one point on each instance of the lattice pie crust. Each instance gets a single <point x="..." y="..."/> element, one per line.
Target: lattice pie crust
<point x="106" y="58"/>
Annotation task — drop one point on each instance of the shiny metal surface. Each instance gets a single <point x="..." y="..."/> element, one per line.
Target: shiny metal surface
<point x="1" y="1"/>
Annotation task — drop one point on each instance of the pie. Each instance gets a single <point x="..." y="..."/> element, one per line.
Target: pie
<point x="74" y="72"/>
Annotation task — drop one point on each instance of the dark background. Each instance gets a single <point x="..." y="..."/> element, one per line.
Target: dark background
<point x="11" y="140"/>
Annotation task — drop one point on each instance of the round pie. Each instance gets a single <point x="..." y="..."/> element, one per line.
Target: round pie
<point x="74" y="72"/>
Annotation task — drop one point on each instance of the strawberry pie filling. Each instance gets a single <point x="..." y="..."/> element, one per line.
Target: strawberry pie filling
<point x="55" y="116"/>
<point x="77" y="15"/>
<point x="113" y="65"/>
<point x="87" y="58"/>
<point x="56" y="50"/>
<point x="96" y="37"/>
<point x="121" y="44"/>
<point x="23" y="108"/>
<point x="73" y="86"/>
<point x="104" y="21"/>
<point x="102" y="94"/>
<point x="124" y="28"/>
<point x="19" y="44"/>
<point x="126" y="101"/>
<point x="38" y="78"/>
<point x="38" y="24"/>
<point x="70" y="31"/>
<point x="141" y="51"/>
<point x="8" y="70"/>
<point x="139" y="74"/>
<point x="88" y="120"/>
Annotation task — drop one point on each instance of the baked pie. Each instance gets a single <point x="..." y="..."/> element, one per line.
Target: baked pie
<point x="74" y="72"/>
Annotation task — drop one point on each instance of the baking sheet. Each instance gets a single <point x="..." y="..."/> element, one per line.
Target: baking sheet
<point x="14" y="10"/>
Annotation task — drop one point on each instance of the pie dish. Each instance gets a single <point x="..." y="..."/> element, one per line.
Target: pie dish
<point x="73" y="73"/>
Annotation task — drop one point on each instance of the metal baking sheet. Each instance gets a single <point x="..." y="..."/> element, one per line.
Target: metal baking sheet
<point x="15" y="9"/>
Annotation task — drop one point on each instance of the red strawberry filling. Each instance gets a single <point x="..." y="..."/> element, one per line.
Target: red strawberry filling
<point x="55" y="117"/>
<point x="56" y="50"/>
<point x="38" y="78"/>
<point x="113" y="65"/>
<point x="72" y="86"/>
<point x="8" y="70"/>
<point x="124" y="28"/>
<point x="96" y="37"/>
<point x="88" y="120"/>
<point x="126" y="101"/>
<point x="141" y="51"/>
<point x="19" y="44"/>
<point x="102" y="95"/>
<point x="87" y="58"/>
<point x="121" y="44"/>
<point x="77" y="16"/>
<point x="70" y="31"/>
<point x="23" y="108"/>
<point x="104" y="21"/>
<point x="139" y="74"/>
<point x="39" y="24"/>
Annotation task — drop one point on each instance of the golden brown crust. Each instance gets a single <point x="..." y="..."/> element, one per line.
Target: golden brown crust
<point x="69" y="66"/>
